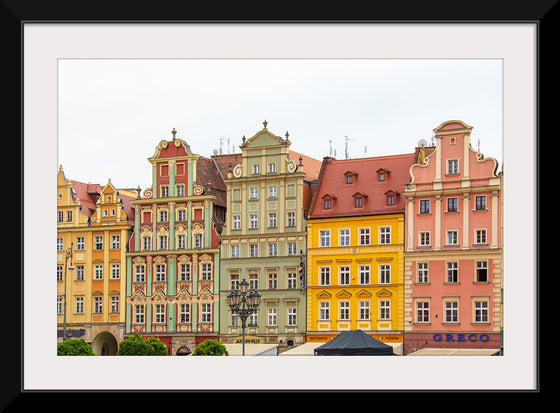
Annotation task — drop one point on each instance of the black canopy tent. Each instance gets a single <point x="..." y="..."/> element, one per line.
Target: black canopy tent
<point x="354" y="343"/>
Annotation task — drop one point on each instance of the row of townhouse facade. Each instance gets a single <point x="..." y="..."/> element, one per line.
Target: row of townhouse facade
<point x="404" y="247"/>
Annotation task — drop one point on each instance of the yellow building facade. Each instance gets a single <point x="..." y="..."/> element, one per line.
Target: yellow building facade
<point x="93" y="228"/>
<point x="355" y="247"/>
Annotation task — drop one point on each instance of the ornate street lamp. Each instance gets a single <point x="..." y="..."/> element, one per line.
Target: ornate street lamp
<point x="244" y="303"/>
<point x="71" y="268"/>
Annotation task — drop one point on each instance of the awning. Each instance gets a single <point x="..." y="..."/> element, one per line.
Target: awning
<point x="354" y="343"/>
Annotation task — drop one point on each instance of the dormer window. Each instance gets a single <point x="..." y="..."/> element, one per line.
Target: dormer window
<point x="350" y="176"/>
<point x="382" y="174"/>
<point x="359" y="199"/>
<point x="391" y="197"/>
<point x="328" y="201"/>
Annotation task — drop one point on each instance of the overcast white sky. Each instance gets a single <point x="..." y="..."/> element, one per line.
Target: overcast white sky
<point x="114" y="112"/>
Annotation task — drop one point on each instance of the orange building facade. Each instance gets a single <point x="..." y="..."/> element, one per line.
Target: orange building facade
<point x="453" y="246"/>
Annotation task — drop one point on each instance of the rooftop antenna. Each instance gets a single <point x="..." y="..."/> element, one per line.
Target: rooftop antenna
<point x="365" y="151"/>
<point x="221" y="141"/>
<point x="330" y="148"/>
<point x="346" y="139"/>
<point x="479" y="146"/>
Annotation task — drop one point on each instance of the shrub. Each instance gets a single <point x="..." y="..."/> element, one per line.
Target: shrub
<point x="137" y="346"/>
<point x="210" y="348"/>
<point x="74" y="347"/>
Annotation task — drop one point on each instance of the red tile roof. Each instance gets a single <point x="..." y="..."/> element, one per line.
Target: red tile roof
<point x="332" y="183"/>
<point x="87" y="194"/>
<point x="311" y="166"/>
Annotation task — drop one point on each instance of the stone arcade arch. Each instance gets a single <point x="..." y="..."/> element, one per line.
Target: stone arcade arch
<point x="105" y="344"/>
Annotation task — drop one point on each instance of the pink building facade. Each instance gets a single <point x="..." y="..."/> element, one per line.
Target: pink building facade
<point x="453" y="246"/>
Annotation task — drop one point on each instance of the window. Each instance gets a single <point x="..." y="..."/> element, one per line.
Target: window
<point x="60" y="216"/>
<point x="256" y="169"/>
<point x="271" y="318"/>
<point x="381" y="176"/>
<point x="384" y="235"/>
<point x="253" y="193"/>
<point x="235" y="251"/>
<point x="364" y="310"/>
<point x="160" y="314"/>
<point x="160" y="272"/>
<point x="271" y="167"/>
<point x="79" y="272"/>
<point x="364" y="274"/>
<point x="162" y="216"/>
<point x="253" y="280"/>
<point x="254" y="250"/>
<point x="451" y="312"/>
<point x="272" y="249"/>
<point x="344" y="237"/>
<point x="272" y="191"/>
<point x="164" y="191"/>
<point x="206" y="313"/>
<point x="115" y="271"/>
<point x="481" y="271"/>
<point x="480" y="311"/>
<point x="181" y="215"/>
<point x="349" y="179"/>
<point x="384" y="274"/>
<point x="422" y="272"/>
<point x="325" y="275"/>
<point x="139" y="314"/>
<point x="237" y="222"/>
<point x="206" y="271"/>
<point x="184" y="313"/>
<point x="292" y="280"/>
<point x="451" y="204"/>
<point x="292" y="319"/>
<point x="384" y="310"/>
<point x="272" y="281"/>
<point x="59" y="273"/>
<point x="480" y="203"/>
<point x="452" y="272"/>
<point x="452" y="238"/>
<point x="424" y="206"/>
<point x="80" y="244"/>
<point x="324" y="310"/>
<point x="79" y="305"/>
<point x="146" y="243"/>
<point x="253" y="221"/>
<point x="452" y="166"/>
<point x="198" y="240"/>
<point x="98" y="242"/>
<point x="185" y="272"/>
<point x="390" y="199"/>
<point x="272" y="220"/>
<point x="422" y="312"/>
<point x="114" y="304"/>
<point x="97" y="305"/>
<point x="180" y="190"/>
<point x="98" y="272"/>
<point x="424" y="239"/>
<point x="358" y="202"/>
<point x="291" y="219"/>
<point x="344" y="310"/>
<point x="327" y="204"/>
<point x="115" y="242"/>
<point x="139" y="274"/>
<point x="480" y="236"/>
<point x="364" y="236"/>
<point x="181" y="241"/>
<point x="163" y="242"/>
<point x="344" y="275"/>
<point x="292" y="248"/>
<point x="59" y="305"/>
<point x="234" y="280"/>
<point x="325" y="237"/>
<point x="68" y="216"/>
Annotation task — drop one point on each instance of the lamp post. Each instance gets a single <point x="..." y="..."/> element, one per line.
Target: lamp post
<point x="244" y="303"/>
<point x="71" y="268"/>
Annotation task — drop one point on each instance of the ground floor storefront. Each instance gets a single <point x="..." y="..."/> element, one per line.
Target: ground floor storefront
<point x="460" y="340"/>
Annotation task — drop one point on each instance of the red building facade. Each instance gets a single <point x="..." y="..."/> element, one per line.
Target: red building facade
<point x="453" y="246"/>
<point x="173" y="259"/>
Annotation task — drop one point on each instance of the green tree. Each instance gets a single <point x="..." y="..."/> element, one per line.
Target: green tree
<point x="210" y="348"/>
<point x="137" y="346"/>
<point x="74" y="347"/>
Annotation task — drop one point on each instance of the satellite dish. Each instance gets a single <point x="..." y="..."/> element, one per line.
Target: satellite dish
<point x="422" y="143"/>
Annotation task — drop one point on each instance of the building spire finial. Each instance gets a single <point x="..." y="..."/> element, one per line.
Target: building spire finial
<point x="173" y="132"/>
<point x="265" y="123"/>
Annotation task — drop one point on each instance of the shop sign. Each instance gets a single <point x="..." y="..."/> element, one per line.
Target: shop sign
<point x="248" y="340"/>
<point x="461" y="337"/>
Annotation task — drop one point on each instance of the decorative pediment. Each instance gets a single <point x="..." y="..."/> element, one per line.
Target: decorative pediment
<point x="263" y="138"/>
<point x="323" y="294"/>
<point x="162" y="230"/>
<point x="138" y="297"/>
<point x="205" y="258"/>
<point x="180" y="229"/>
<point x="383" y="293"/>
<point x="139" y="261"/>
<point x="183" y="259"/>
<point x="205" y="295"/>
<point x="183" y="296"/>
<point x="363" y="294"/>
<point x="159" y="260"/>
<point x="159" y="296"/>
<point x="343" y="294"/>
<point x="328" y="196"/>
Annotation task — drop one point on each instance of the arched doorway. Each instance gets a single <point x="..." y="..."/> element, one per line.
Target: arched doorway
<point x="105" y="344"/>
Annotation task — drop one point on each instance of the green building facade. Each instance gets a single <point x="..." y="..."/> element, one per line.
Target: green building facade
<point x="264" y="238"/>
